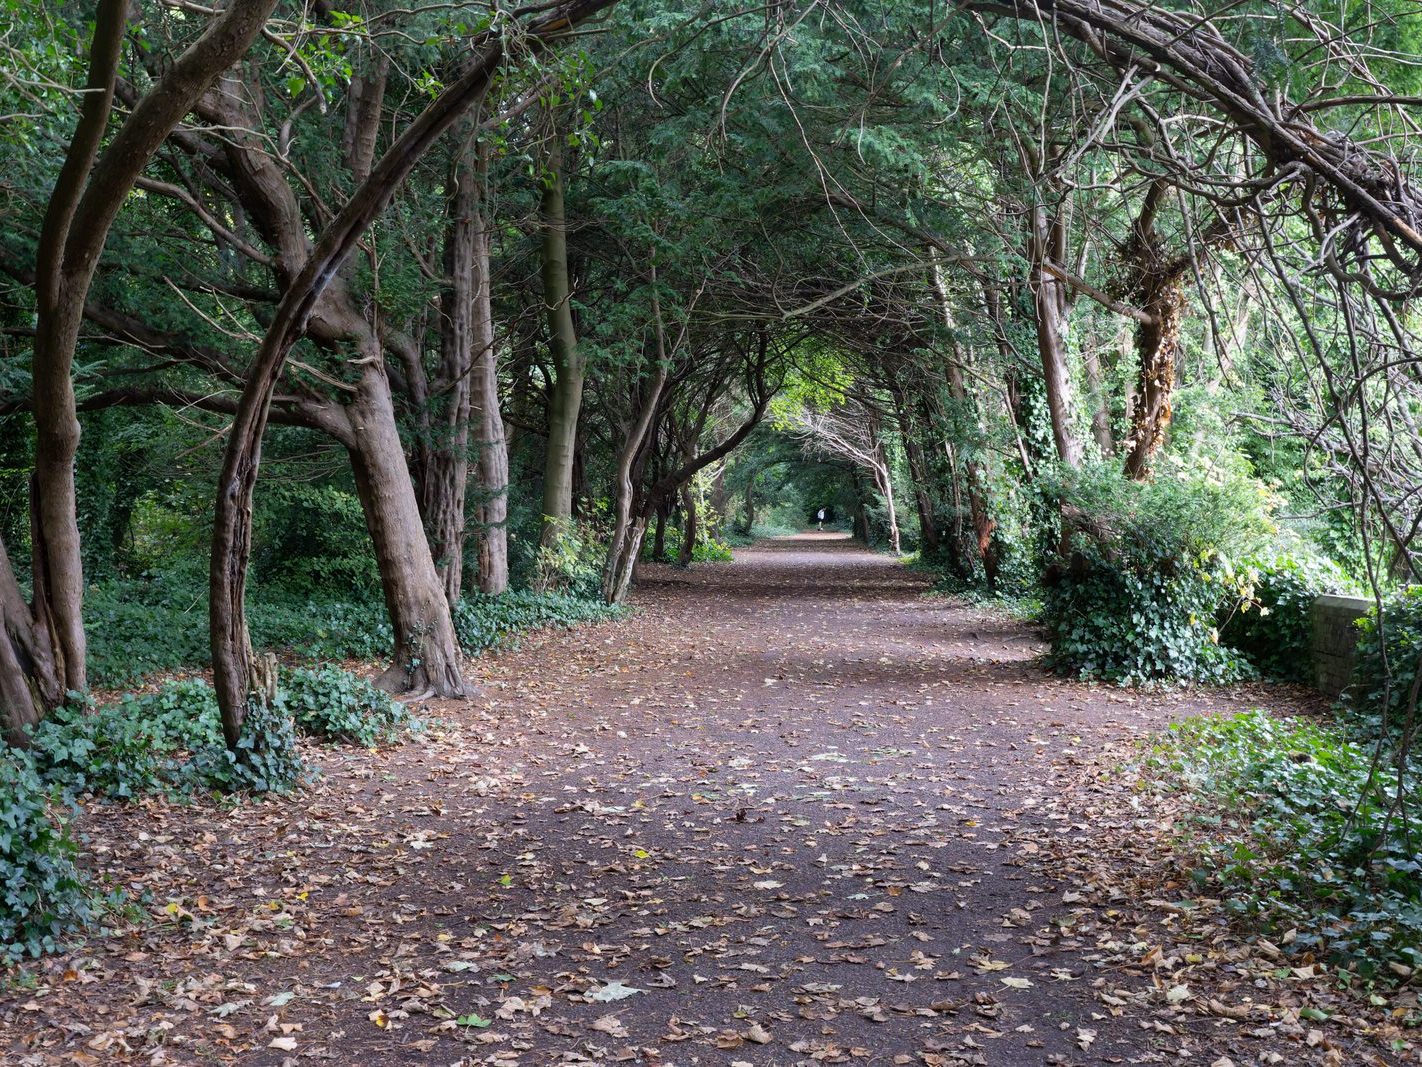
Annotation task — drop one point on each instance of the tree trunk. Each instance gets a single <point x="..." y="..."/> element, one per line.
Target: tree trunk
<point x="659" y="535"/>
<point x="750" y="501"/>
<point x="718" y="503"/>
<point x="1100" y="405"/>
<point x="87" y="196"/>
<point x="884" y="475"/>
<point x="1049" y="294"/>
<point x="918" y="473"/>
<point x="565" y="403"/>
<point x="690" y="528"/>
<point x="970" y="553"/>
<point x="491" y="509"/>
<point x="1157" y="343"/>
<point x="629" y="522"/>
<point x="232" y="522"/>
<point x="445" y="447"/>
<point x="861" y="513"/>
<point x="427" y="656"/>
<point x="30" y="682"/>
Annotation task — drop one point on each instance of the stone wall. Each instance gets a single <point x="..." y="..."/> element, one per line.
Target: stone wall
<point x="1335" y="640"/>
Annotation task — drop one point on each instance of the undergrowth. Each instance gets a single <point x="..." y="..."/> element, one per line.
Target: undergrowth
<point x="483" y="622"/>
<point x="139" y="629"/>
<point x="169" y="742"/>
<point x="1300" y="838"/>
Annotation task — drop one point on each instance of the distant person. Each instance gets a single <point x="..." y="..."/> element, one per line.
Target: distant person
<point x="820" y="519"/>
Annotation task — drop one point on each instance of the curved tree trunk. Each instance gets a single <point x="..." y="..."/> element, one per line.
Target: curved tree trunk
<point x="884" y="476"/>
<point x="1157" y="344"/>
<point x="629" y="525"/>
<point x="690" y="524"/>
<point x="91" y="189"/>
<point x="659" y="533"/>
<point x="232" y="524"/>
<point x="427" y="656"/>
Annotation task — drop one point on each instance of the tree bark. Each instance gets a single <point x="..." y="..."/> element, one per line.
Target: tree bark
<point x="629" y="525"/>
<point x="918" y="472"/>
<point x="1100" y="406"/>
<point x="427" y="656"/>
<point x="690" y="524"/>
<point x="980" y="546"/>
<point x="565" y="401"/>
<point x="491" y="508"/>
<point x="717" y="503"/>
<point x="1156" y="348"/>
<point x="659" y="535"/>
<point x="1046" y="244"/>
<point x="444" y="465"/>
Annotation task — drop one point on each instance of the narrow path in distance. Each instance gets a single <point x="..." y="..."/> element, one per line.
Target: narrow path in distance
<point x="791" y="812"/>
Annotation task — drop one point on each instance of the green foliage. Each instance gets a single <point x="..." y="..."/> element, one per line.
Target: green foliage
<point x="330" y="703"/>
<point x="312" y="538"/>
<point x="1302" y="835"/>
<point x="1381" y="701"/>
<point x="166" y="741"/>
<point x="571" y="560"/>
<point x="1272" y="627"/>
<point x="707" y="549"/>
<point x="140" y="628"/>
<point x="267" y="759"/>
<point x="1147" y="570"/>
<point x="129" y="748"/>
<point x="43" y="896"/>
<point x="482" y="622"/>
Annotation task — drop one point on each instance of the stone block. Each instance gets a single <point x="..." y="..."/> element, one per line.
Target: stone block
<point x="1335" y="639"/>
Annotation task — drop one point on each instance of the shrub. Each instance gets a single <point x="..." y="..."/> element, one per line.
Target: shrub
<point x="128" y="748"/>
<point x="266" y="761"/>
<point x="707" y="549"/>
<point x="1146" y="570"/>
<point x="136" y="629"/>
<point x="1301" y="834"/>
<point x="572" y="561"/>
<point x="167" y="740"/>
<point x="42" y="894"/>
<point x="140" y="628"/>
<point x="482" y="622"/>
<point x="323" y="628"/>
<point x="311" y="538"/>
<point x="336" y="705"/>
<point x="1273" y="627"/>
<point x="1381" y="701"/>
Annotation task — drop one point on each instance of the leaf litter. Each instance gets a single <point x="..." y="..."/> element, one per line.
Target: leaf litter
<point x="792" y="811"/>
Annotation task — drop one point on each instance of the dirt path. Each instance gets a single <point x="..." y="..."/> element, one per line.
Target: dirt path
<point x="802" y="810"/>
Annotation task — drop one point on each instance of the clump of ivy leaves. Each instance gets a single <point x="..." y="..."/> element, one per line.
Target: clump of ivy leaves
<point x="168" y="741"/>
<point x="1146" y="570"/>
<point x="1299" y="829"/>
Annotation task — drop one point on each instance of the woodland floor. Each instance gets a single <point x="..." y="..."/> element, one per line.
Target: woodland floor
<point x="808" y="814"/>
